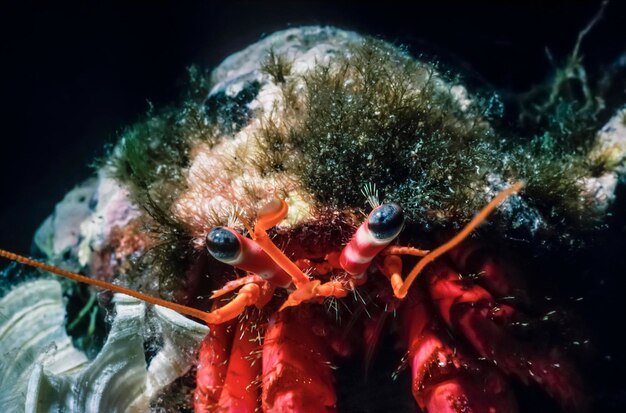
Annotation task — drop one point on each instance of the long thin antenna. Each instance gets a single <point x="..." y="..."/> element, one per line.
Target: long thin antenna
<point x="458" y="238"/>
<point x="193" y="312"/>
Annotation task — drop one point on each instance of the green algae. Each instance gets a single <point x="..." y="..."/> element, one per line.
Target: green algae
<point x="375" y="116"/>
<point x="378" y="116"/>
<point x="150" y="161"/>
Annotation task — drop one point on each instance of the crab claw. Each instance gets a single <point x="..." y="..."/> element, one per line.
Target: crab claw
<point x="297" y="374"/>
<point x="445" y="378"/>
<point x="474" y="312"/>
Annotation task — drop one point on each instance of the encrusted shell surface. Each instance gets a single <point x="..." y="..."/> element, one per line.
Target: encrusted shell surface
<point x="43" y="372"/>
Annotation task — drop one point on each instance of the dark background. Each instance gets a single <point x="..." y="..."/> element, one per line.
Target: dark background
<point x="74" y="76"/>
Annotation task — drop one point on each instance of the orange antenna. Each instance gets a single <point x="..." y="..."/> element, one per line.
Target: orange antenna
<point x="193" y="312"/>
<point x="458" y="238"/>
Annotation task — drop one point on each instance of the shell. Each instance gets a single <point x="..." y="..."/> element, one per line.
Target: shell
<point x="43" y="372"/>
<point x="32" y="337"/>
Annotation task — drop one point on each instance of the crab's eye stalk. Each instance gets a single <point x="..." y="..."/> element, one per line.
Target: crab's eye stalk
<point x="223" y="244"/>
<point x="386" y="221"/>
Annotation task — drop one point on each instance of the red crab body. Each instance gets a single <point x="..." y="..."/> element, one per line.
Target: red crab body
<point x="213" y="360"/>
<point x="455" y="330"/>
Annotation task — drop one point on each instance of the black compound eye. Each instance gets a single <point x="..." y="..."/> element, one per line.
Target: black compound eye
<point x="223" y="244"/>
<point x="386" y="221"/>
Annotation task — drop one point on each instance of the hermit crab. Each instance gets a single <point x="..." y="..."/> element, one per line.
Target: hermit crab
<point x="318" y="195"/>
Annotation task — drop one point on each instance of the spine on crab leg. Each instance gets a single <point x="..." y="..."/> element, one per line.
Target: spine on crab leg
<point x="297" y="374"/>
<point x="240" y="392"/>
<point x="444" y="379"/>
<point x="212" y="367"/>
<point x="474" y="312"/>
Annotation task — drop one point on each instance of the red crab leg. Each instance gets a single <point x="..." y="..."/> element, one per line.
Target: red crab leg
<point x="444" y="379"/>
<point x="392" y="268"/>
<point x="231" y="286"/>
<point x="240" y="392"/>
<point x="315" y="289"/>
<point x="297" y="375"/>
<point x="212" y="367"/>
<point x="472" y="310"/>
<point x="400" y="250"/>
<point x="270" y="215"/>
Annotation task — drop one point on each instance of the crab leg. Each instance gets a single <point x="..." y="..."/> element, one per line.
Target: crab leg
<point x="474" y="312"/>
<point x="297" y="376"/>
<point x="240" y="392"/>
<point x="400" y="250"/>
<point x="315" y="289"/>
<point x="306" y="289"/>
<point x="212" y="367"/>
<point x="392" y="269"/>
<point x="234" y="284"/>
<point x="444" y="379"/>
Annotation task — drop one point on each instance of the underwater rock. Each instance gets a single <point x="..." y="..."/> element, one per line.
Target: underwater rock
<point x="43" y="372"/>
<point x="113" y="209"/>
<point x="311" y="136"/>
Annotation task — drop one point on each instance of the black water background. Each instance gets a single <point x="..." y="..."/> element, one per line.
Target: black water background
<point x="74" y="76"/>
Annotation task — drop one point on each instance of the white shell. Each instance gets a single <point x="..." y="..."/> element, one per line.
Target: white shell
<point x="42" y="372"/>
<point x="32" y="337"/>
